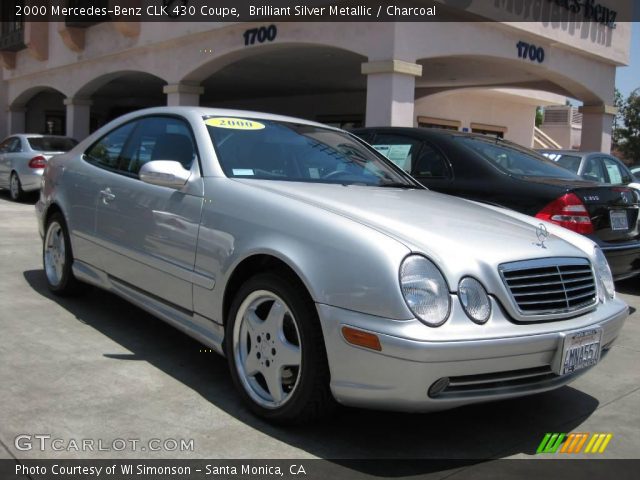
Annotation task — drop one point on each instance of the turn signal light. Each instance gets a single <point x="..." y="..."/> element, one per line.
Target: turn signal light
<point x="569" y="212"/>
<point x="361" y="339"/>
<point x="38" y="162"/>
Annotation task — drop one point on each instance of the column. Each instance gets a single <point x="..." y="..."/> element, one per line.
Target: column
<point x="78" y="117"/>
<point x="16" y="119"/>
<point x="390" y="92"/>
<point x="597" y="123"/>
<point x="183" y="94"/>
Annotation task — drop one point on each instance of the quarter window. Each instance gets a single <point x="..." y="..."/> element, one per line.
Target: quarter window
<point x="14" y="146"/>
<point x="431" y="164"/>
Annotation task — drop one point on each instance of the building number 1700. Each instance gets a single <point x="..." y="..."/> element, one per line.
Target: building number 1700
<point x="530" y="51"/>
<point x="260" y="35"/>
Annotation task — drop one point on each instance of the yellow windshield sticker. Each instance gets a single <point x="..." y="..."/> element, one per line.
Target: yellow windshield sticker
<point x="234" y="123"/>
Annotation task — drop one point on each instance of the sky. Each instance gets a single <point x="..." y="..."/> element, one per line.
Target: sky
<point x="628" y="78"/>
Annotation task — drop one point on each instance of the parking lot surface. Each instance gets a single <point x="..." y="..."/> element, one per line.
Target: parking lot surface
<point x="95" y="367"/>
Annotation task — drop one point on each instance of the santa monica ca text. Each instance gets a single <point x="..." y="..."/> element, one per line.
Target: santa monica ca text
<point x="142" y="469"/>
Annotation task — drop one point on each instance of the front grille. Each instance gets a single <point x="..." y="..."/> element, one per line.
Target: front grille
<point x="550" y="286"/>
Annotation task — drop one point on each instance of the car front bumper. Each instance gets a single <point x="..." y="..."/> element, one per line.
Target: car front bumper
<point x="478" y="365"/>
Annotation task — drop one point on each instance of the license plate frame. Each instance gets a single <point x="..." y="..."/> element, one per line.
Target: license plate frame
<point x="580" y="350"/>
<point x="618" y="220"/>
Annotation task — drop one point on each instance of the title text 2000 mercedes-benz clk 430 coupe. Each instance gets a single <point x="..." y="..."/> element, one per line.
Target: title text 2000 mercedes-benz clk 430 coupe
<point x="321" y="270"/>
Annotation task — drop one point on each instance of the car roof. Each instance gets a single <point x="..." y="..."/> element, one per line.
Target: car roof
<point x="36" y="135"/>
<point x="426" y="132"/>
<point x="224" y="112"/>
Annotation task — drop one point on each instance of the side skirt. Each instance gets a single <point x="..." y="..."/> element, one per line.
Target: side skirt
<point x="200" y="328"/>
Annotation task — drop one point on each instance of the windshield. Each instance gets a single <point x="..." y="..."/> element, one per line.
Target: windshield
<point x="51" y="144"/>
<point x="514" y="159"/>
<point x="274" y="150"/>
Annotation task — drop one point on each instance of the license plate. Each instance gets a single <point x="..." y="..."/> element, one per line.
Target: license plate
<point x="619" y="220"/>
<point x="580" y="350"/>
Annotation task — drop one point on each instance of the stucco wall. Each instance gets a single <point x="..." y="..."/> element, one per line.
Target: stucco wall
<point x="487" y="108"/>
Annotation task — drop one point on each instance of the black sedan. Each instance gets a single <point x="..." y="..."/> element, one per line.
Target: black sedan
<point x="495" y="171"/>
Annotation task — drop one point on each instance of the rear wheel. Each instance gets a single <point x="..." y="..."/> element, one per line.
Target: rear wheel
<point x="276" y="351"/>
<point x="57" y="258"/>
<point x="15" y="188"/>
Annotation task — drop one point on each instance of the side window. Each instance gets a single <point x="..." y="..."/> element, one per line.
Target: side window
<point x="431" y="164"/>
<point x="593" y="170"/>
<point x="15" y="146"/>
<point x="399" y="149"/>
<point x="5" y="145"/>
<point x="616" y="173"/>
<point x="158" y="138"/>
<point x="106" y="151"/>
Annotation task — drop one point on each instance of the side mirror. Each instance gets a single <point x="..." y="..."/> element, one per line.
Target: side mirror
<point x="166" y="173"/>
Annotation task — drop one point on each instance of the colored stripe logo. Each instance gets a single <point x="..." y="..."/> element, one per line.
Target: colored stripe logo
<point x="574" y="442"/>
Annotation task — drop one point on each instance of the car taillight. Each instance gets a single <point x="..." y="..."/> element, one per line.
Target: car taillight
<point x="568" y="211"/>
<point x="38" y="162"/>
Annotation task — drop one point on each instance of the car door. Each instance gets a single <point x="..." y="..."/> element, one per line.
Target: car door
<point x="148" y="232"/>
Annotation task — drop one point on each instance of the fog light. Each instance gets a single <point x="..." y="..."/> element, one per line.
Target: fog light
<point x="438" y="387"/>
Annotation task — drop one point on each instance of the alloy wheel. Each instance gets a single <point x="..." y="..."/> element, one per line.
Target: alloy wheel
<point x="267" y="349"/>
<point x="14" y="187"/>
<point x="54" y="253"/>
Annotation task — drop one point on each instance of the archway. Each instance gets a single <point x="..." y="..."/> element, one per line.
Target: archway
<point x="41" y="110"/>
<point x="319" y="83"/>
<point x="116" y="93"/>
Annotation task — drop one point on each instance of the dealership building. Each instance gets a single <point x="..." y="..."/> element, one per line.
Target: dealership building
<point x="70" y="77"/>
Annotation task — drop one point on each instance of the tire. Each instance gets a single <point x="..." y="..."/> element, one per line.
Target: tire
<point x="15" y="188"/>
<point x="276" y="351"/>
<point x="57" y="258"/>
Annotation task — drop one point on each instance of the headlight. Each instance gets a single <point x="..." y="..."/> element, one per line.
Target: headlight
<point x="425" y="290"/>
<point x="474" y="300"/>
<point x="604" y="273"/>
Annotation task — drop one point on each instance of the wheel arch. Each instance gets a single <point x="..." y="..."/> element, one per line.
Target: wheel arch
<point x="252" y="265"/>
<point x="51" y="209"/>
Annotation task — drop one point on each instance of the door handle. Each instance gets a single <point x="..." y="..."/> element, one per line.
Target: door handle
<point x="107" y="196"/>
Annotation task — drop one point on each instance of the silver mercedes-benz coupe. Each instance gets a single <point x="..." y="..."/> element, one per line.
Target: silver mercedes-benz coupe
<point x="322" y="271"/>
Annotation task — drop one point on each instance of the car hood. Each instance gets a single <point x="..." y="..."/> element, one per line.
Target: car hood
<point x="461" y="236"/>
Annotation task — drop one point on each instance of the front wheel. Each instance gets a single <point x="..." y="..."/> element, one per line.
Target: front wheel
<point x="276" y="351"/>
<point x="57" y="258"/>
<point x="15" y="188"/>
